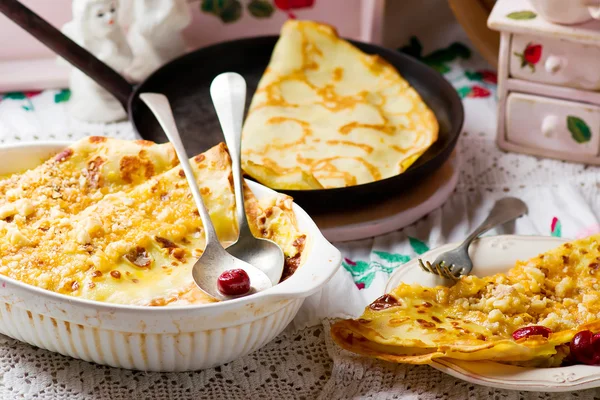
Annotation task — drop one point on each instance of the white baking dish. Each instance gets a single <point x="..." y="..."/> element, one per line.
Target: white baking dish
<point x="157" y="338"/>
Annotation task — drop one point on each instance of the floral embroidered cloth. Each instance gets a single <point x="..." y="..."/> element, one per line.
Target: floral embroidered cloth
<point x="303" y="362"/>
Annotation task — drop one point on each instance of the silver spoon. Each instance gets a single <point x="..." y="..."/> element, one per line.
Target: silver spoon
<point x="228" y="92"/>
<point x="215" y="259"/>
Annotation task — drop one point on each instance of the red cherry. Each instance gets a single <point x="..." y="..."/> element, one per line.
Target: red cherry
<point x="582" y="348"/>
<point x="533" y="53"/>
<point x="534" y="330"/>
<point x="233" y="282"/>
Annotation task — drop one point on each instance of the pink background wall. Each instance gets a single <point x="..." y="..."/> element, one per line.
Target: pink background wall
<point x="205" y="28"/>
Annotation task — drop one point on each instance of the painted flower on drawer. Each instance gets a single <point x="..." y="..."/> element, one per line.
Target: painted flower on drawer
<point x="530" y="56"/>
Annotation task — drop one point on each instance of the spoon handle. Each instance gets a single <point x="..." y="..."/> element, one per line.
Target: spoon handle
<point x="159" y="105"/>
<point x="228" y="92"/>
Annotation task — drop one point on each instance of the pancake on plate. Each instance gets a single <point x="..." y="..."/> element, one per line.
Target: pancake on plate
<point x="114" y="221"/>
<point x="528" y="316"/>
<point x="327" y="115"/>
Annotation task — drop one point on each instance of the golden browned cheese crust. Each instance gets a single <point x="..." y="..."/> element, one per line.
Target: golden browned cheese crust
<point x="475" y="318"/>
<point x="326" y="115"/>
<point x="133" y="238"/>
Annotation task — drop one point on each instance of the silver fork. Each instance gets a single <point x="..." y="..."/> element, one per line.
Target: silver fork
<point x="455" y="263"/>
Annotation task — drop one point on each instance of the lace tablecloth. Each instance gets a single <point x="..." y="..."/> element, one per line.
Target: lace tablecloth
<point x="304" y="363"/>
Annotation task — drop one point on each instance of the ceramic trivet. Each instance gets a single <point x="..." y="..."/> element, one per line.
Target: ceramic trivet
<point x="395" y="213"/>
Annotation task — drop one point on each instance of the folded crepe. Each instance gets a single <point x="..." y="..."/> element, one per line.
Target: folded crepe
<point x="475" y="318"/>
<point x="327" y="115"/>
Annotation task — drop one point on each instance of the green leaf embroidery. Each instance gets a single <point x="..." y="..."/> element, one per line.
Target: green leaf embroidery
<point x="474" y="76"/>
<point x="392" y="258"/>
<point x="233" y="13"/>
<point x="557" y="231"/>
<point x="438" y="59"/>
<point x="26" y="108"/>
<point x="62" y="96"/>
<point x="441" y="68"/>
<point x="463" y="91"/>
<point x="207" y="6"/>
<point x="227" y="10"/>
<point x="363" y="272"/>
<point x="440" y="56"/>
<point x="15" y="96"/>
<point x="357" y="268"/>
<point x="418" y="246"/>
<point x="413" y="48"/>
<point x="522" y="15"/>
<point x="460" y="50"/>
<point x="366" y="280"/>
<point x="580" y="131"/>
<point x="260" y="8"/>
<point x="213" y="6"/>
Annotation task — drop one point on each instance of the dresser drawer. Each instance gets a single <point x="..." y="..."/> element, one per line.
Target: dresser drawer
<point x="553" y="124"/>
<point x="555" y="61"/>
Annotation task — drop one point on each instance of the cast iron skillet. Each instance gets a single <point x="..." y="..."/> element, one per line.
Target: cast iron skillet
<point x="186" y="80"/>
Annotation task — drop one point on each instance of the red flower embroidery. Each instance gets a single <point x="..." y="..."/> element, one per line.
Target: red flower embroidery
<point x="489" y="76"/>
<point x="32" y="94"/>
<point x="292" y="4"/>
<point x="530" y="56"/>
<point x="478" y="92"/>
<point x="360" y="285"/>
<point x="289" y="5"/>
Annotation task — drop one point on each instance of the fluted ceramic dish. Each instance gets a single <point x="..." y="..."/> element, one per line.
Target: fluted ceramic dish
<point x="492" y="255"/>
<point x="178" y="338"/>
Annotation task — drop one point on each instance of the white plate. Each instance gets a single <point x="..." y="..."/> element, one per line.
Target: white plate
<point x="491" y="255"/>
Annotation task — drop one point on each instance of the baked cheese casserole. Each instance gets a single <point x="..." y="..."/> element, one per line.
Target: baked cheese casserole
<point x="543" y="312"/>
<point x="113" y="221"/>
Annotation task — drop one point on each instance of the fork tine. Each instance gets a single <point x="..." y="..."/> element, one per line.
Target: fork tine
<point x="440" y="269"/>
<point x="430" y="267"/>
<point x="449" y="274"/>
<point x="423" y="265"/>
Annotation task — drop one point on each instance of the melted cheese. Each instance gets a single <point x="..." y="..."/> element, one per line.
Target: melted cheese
<point x="475" y="318"/>
<point x="135" y="243"/>
<point x="327" y="115"/>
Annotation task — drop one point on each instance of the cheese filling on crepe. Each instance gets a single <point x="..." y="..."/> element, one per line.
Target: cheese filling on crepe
<point x="475" y="318"/>
<point x="81" y="175"/>
<point x="327" y="115"/>
<point x="137" y="245"/>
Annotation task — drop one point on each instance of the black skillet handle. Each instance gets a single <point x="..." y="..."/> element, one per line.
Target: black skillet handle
<point x="79" y="57"/>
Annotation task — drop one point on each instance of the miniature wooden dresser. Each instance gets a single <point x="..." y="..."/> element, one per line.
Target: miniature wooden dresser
<point x="548" y="84"/>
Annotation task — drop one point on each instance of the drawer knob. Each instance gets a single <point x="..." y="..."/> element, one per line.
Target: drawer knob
<point x="550" y="125"/>
<point x="553" y="64"/>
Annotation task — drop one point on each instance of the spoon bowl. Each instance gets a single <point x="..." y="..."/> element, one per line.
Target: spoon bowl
<point x="214" y="260"/>
<point x="228" y="93"/>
